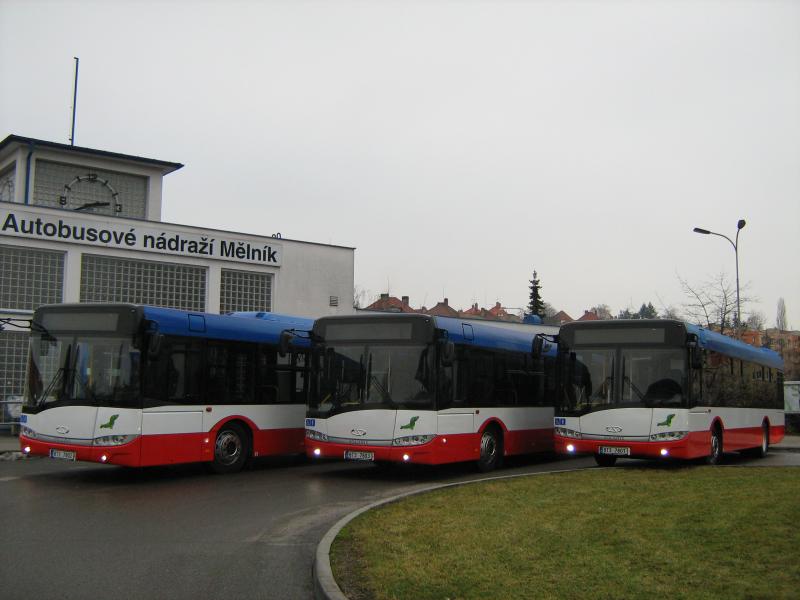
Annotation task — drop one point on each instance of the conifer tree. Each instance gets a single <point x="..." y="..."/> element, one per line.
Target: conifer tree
<point x="535" y="303"/>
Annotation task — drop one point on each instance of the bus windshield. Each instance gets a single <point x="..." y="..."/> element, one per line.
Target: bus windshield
<point x="361" y="376"/>
<point x="67" y="369"/>
<point x="601" y="378"/>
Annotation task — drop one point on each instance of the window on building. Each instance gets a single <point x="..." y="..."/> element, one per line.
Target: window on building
<point x="30" y="277"/>
<point x="14" y="350"/>
<point x="92" y="190"/>
<point x="110" y="279"/>
<point x="245" y="291"/>
<point x="7" y="177"/>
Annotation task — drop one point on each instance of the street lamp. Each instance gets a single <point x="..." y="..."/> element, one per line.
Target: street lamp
<point x="739" y="226"/>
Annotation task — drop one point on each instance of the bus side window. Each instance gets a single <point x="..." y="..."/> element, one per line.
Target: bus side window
<point x="291" y="382"/>
<point x="175" y="376"/>
<point x="266" y="376"/>
<point x="713" y="372"/>
<point x="217" y="372"/>
<point x="445" y="390"/>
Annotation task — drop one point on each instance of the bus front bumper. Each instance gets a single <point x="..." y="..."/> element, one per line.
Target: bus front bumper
<point x="128" y="455"/>
<point x="422" y="454"/>
<point x="627" y="449"/>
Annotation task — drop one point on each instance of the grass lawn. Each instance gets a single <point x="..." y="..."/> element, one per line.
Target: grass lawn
<point x="688" y="532"/>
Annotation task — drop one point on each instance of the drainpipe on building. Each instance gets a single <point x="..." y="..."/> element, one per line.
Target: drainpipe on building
<point x="31" y="148"/>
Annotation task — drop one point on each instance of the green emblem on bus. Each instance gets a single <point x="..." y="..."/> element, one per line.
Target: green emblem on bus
<point x="666" y="422"/>
<point x="410" y="424"/>
<point x="110" y="424"/>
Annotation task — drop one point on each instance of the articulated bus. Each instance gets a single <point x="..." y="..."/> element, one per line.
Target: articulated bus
<point x="140" y="386"/>
<point x="429" y="390"/>
<point x="663" y="388"/>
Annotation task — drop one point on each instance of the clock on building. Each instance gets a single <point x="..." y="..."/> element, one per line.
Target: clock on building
<point x="102" y="196"/>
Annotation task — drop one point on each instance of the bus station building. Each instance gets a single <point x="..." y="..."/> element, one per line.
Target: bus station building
<point x="85" y="225"/>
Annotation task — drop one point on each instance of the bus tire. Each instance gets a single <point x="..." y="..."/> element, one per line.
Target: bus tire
<point x="604" y="460"/>
<point x="715" y="451"/>
<point x="231" y="449"/>
<point x="762" y="450"/>
<point x="491" y="450"/>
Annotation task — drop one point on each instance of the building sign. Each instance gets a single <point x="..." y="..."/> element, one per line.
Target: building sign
<point x="56" y="228"/>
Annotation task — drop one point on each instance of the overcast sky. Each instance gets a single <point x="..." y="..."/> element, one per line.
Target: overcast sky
<point x="457" y="146"/>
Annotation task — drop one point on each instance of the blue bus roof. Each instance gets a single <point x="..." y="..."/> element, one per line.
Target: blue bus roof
<point x="501" y="335"/>
<point x="711" y="340"/>
<point x="243" y="327"/>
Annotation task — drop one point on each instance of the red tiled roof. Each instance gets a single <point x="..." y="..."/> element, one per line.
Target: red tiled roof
<point x="442" y="309"/>
<point x="387" y="303"/>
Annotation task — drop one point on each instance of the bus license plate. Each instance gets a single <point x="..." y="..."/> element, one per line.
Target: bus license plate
<point x="62" y="454"/>
<point x="615" y="450"/>
<point x="358" y="455"/>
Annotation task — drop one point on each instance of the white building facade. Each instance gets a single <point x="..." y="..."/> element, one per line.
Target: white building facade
<point x="84" y="225"/>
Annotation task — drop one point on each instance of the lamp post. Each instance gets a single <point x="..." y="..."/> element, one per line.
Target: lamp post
<point x="739" y="226"/>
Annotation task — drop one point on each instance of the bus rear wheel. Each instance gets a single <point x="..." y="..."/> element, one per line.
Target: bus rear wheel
<point x="231" y="449"/>
<point x="604" y="460"/>
<point x="491" y="451"/>
<point x="762" y="450"/>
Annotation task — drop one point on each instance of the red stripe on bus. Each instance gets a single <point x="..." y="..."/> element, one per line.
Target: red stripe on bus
<point x="443" y="449"/>
<point x="173" y="448"/>
<point x="696" y="444"/>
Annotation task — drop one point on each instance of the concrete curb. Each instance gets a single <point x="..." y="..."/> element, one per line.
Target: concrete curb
<point x="325" y="586"/>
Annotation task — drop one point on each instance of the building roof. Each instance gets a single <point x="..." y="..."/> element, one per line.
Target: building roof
<point x="15" y="140"/>
<point x="387" y="303"/>
<point x="442" y="309"/>
<point x="588" y="315"/>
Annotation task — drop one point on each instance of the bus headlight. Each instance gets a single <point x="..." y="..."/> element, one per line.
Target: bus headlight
<point x="412" y="440"/>
<point x="114" y="440"/>
<point x="568" y="433"/>
<point x="317" y="436"/>
<point x="29" y="433"/>
<point x="668" y="436"/>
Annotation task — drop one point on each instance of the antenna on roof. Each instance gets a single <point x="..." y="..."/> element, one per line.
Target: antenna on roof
<point x="74" y="101"/>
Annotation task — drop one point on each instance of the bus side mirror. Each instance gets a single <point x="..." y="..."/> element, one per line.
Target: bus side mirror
<point x="695" y="353"/>
<point x="154" y="345"/>
<point x="284" y="342"/>
<point x="537" y="346"/>
<point x="696" y="357"/>
<point x="447" y="352"/>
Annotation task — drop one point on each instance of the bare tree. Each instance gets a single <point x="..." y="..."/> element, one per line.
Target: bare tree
<point x="712" y="303"/>
<point x="603" y="311"/>
<point x="756" y="321"/>
<point x="669" y="312"/>
<point x="549" y="311"/>
<point x="360" y="297"/>
<point x="780" y="320"/>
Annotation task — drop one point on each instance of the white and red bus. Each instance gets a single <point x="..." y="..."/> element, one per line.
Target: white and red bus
<point x="139" y="386"/>
<point x="413" y="388"/>
<point x="664" y="389"/>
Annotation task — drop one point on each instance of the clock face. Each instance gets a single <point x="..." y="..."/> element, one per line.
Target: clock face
<point x="105" y="199"/>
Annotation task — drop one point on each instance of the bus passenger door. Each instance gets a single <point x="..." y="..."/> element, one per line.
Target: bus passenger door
<point x="172" y="417"/>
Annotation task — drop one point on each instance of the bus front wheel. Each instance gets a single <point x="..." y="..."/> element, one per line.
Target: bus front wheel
<point x="231" y="449"/>
<point x="491" y="451"/>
